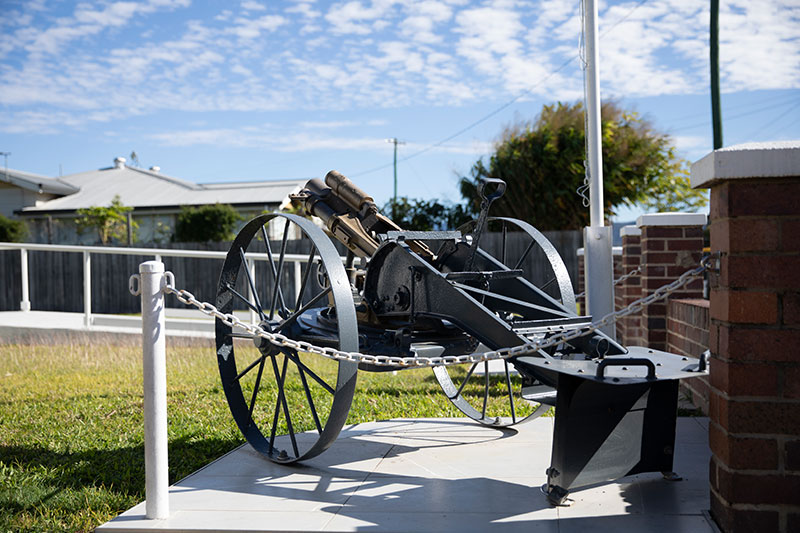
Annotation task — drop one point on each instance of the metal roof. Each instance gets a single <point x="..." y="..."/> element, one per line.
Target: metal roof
<point x="139" y="188"/>
<point x="35" y="182"/>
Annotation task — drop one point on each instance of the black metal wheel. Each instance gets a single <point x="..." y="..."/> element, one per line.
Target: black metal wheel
<point x="290" y="406"/>
<point x="494" y="393"/>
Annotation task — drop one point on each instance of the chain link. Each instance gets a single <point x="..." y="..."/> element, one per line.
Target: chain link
<point x="534" y="345"/>
<point x="617" y="281"/>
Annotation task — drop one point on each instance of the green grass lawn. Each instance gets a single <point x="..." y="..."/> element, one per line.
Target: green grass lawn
<point x="71" y="429"/>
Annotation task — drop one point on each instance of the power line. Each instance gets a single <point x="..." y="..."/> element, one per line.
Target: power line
<point x="784" y="98"/>
<point x="489" y="115"/>
<point x="772" y="121"/>
<point x="740" y="115"/>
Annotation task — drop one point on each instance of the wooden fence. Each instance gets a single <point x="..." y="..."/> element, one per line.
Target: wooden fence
<point x="55" y="278"/>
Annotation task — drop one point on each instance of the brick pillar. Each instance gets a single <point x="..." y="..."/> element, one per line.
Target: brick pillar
<point x="629" y="328"/>
<point x="672" y="243"/>
<point x="619" y="298"/>
<point x="754" y="428"/>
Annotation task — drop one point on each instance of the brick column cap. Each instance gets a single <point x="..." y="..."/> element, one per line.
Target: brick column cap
<point x="615" y="250"/>
<point x="747" y="161"/>
<point x="630" y="230"/>
<point x="672" y="219"/>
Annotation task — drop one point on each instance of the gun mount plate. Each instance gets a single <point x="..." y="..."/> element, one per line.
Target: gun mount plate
<point x="625" y="370"/>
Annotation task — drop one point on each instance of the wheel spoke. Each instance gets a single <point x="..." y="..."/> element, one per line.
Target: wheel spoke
<point x="485" y="387"/>
<point x="252" y="284"/>
<point x="543" y="287"/>
<point x="311" y="373"/>
<point x="510" y="392"/>
<point x="524" y="255"/>
<point x="281" y="402"/>
<point x="306" y="276"/>
<point x="300" y="367"/>
<point x="469" y="373"/>
<point x="250" y="367"/>
<point x="302" y="310"/>
<point x="273" y="269"/>
<point x="285" y="404"/>
<point x="279" y="273"/>
<point x="277" y="406"/>
<point x="246" y="301"/>
<point x="255" y="391"/>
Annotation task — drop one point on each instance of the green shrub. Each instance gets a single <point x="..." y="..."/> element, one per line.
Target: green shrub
<point x="12" y="230"/>
<point x="110" y="223"/>
<point x="207" y="223"/>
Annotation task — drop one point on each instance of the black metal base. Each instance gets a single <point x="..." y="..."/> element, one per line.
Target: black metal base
<point x="607" y="431"/>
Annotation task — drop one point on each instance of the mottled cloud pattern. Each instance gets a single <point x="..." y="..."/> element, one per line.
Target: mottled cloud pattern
<point x="63" y="66"/>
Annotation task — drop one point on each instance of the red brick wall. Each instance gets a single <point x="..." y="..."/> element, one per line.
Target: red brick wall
<point x="687" y="334"/>
<point x="629" y="328"/>
<point x="754" y="411"/>
<point x="667" y="252"/>
<point x="619" y="292"/>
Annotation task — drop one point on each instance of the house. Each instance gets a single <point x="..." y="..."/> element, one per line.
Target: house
<point x="156" y="199"/>
<point x="19" y="190"/>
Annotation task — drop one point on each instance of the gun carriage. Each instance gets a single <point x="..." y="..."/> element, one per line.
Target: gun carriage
<point x="412" y="294"/>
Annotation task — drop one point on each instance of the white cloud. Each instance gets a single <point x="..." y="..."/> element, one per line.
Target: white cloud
<point x="247" y="28"/>
<point x="305" y="9"/>
<point x="303" y="140"/>
<point x="353" y="54"/>
<point x="760" y="45"/>
<point x="252" y="6"/>
<point x="423" y="21"/>
<point x="86" y="22"/>
<point x="353" y="17"/>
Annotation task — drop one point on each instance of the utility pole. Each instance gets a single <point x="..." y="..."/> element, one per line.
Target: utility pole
<point x="716" y="111"/>
<point x="5" y="156"/>
<point x="394" y="141"/>
<point x="598" y="271"/>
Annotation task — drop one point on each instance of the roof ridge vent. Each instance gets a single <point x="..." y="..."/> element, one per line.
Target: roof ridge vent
<point x="119" y="162"/>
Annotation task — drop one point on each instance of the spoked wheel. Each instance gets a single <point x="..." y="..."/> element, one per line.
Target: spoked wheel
<point x="289" y="405"/>
<point x="492" y="392"/>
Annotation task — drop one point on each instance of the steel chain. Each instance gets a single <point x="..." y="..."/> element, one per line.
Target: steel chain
<point x="617" y="281"/>
<point x="533" y="346"/>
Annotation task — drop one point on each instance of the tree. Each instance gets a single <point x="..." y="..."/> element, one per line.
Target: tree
<point x="675" y="194"/>
<point x="206" y="223"/>
<point x="111" y="223"/>
<point x="426" y="215"/>
<point x="12" y="230"/>
<point x="542" y="164"/>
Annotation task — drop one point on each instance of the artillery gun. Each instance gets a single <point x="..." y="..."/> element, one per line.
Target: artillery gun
<point x="405" y="296"/>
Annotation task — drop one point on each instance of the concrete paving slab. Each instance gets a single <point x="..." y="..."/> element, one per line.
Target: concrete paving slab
<point x="429" y="475"/>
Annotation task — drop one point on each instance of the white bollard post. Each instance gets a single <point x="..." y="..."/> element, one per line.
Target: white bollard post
<point x="151" y="282"/>
<point x="25" y="304"/>
<point x="87" y="288"/>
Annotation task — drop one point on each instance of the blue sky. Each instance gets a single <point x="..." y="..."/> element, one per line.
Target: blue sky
<point x="219" y="91"/>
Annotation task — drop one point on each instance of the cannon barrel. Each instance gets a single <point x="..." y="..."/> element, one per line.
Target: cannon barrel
<point x="349" y="191"/>
<point x="339" y="210"/>
<point x="349" y="213"/>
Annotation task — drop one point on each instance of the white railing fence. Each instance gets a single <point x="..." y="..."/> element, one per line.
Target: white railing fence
<point x="157" y="253"/>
